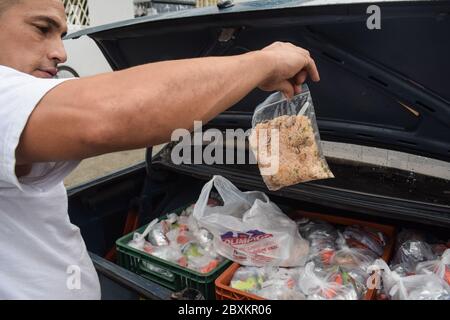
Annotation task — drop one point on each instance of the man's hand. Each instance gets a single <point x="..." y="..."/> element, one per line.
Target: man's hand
<point x="291" y="66"/>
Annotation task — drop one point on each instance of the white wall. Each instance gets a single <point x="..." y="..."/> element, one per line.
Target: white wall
<point x="107" y="11"/>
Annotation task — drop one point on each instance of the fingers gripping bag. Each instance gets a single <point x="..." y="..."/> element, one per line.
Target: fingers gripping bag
<point x="248" y="228"/>
<point x="285" y="141"/>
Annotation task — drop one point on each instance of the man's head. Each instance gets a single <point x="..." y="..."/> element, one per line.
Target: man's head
<point x="31" y="34"/>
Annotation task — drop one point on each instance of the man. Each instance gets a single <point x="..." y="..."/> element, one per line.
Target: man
<point x="47" y="126"/>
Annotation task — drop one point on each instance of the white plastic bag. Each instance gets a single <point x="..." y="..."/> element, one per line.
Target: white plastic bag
<point x="285" y="141"/>
<point x="440" y="267"/>
<point x="414" y="287"/>
<point x="324" y="286"/>
<point x="248" y="228"/>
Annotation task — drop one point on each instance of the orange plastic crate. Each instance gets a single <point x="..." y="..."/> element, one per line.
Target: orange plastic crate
<point x="225" y="292"/>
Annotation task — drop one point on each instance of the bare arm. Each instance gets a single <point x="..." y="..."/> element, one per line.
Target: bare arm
<point x="141" y="106"/>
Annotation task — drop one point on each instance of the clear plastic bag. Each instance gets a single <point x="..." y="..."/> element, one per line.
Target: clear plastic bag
<point x="439" y="267"/>
<point x="178" y="239"/>
<point x="285" y="141"/>
<point x="322" y="285"/>
<point x="411" y="252"/>
<point x="170" y="253"/>
<point x="322" y="237"/>
<point x="282" y="285"/>
<point x="157" y="235"/>
<point x="352" y="258"/>
<point x="248" y="279"/>
<point x="269" y="283"/>
<point x="195" y="257"/>
<point x="413" y="287"/>
<point x="249" y="228"/>
<point x="317" y="230"/>
<point x="368" y="238"/>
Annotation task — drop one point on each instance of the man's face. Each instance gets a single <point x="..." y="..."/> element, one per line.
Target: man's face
<point x="31" y="34"/>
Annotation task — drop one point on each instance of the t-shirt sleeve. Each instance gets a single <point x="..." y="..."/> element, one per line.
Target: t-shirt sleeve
<point x="19" y="95"/>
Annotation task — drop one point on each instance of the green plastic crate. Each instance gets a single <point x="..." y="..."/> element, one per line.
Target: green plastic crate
<point x="166" y="273"/>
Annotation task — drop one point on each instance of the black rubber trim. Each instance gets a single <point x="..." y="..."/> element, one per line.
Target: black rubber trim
<point x="145" y="288"/>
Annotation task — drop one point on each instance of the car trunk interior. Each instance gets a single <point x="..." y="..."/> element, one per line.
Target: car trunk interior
<point x="101" y="209"/>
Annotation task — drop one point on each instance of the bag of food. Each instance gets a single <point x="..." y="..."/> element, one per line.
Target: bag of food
<point x="285" y="141"/>
<point x="323" y="285"/>
<point x="248" y="228"/>
<point x="322" y="240"/>
<point x="248" y="279"/>
<point x="440" y="267"/>
<point x="178" y="239"/>
<point x="412" y="287"/>
<point x="352" y="258"/>
<point x="411" y="252"/>
<point x="269" y="282"/>
<point x="365" y="238"/>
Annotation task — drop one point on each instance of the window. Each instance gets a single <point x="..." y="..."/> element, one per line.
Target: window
<point x="77" y="12"/>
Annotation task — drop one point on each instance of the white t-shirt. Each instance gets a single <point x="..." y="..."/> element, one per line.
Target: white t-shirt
<point x="42" y="255"/>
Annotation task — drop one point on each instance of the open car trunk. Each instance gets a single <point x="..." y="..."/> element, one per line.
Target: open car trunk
<point x="380" y="90"/>
<point x="101" y="208"/>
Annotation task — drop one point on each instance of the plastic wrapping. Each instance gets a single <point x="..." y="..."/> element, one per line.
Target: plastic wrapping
<point x="364" y="237"/>
<point x="248" y="279"/>
<point x="322" y="240"/>
<point x="286" y="142"/>
<point x="282" y="284"/>
<point x="248" y="228"/>
<point x="322" y="285"/>
<point x="169" y="253"/>
<point x="157" y="236"/>
<point x="439" y="267"/>
<point x="205" y="239"/>
<point x="425" y="287"/>
<point x="412" y="287"/>
<point x="180" y="240"/>
<point x="269" y="283"/>
<point x="334" y="269"/>
<point x="411" y="252"/>
<point x="352" y="258"/>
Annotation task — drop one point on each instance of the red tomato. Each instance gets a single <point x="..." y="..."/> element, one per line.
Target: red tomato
<point x="182" y="262"/>
<point x="447" y="274"/>
<point x="209" y="267"/>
